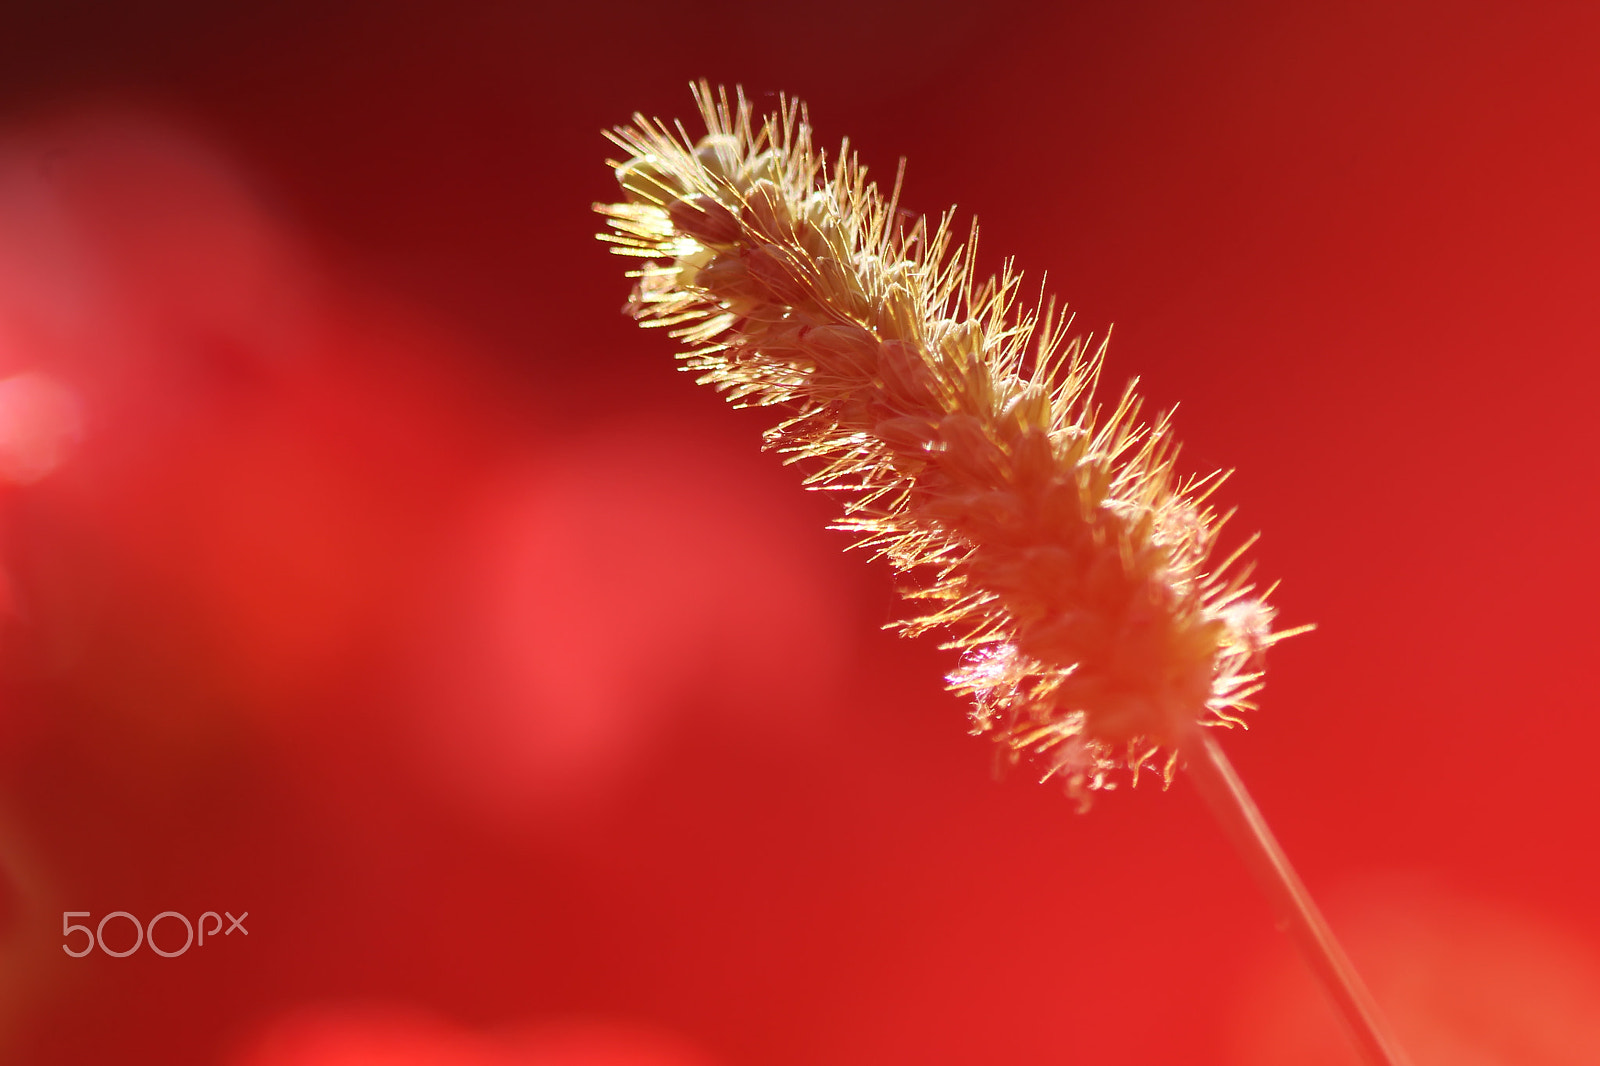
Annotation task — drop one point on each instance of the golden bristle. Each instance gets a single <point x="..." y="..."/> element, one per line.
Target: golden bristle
<point x="1055" y="544"/>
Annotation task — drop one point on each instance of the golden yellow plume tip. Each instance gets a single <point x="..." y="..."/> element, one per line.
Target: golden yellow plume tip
<point x="1052" y="542"/>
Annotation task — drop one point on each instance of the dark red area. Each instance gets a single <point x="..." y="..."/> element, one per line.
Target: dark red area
<point x="399" y="591"/>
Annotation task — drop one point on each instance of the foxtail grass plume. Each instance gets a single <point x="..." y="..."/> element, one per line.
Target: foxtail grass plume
<point x="1051" y="541"/>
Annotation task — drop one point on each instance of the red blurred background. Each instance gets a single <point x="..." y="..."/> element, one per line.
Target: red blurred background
<point x="365" y="570"/>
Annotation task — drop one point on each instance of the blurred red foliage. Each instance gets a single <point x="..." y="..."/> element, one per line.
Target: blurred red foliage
<point x="365" y="570"/>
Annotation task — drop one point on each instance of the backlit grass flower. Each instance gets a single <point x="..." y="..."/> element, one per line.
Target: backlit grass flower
<point x="1050" y="540"/>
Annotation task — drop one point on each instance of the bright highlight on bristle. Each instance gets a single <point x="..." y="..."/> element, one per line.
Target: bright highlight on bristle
<point x="1054" y="543"/>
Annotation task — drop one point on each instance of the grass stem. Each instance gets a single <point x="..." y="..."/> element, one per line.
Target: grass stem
<point x="1233" y="808"/>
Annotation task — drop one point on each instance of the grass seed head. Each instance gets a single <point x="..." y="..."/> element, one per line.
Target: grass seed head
<point x="1053" y="544"/>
